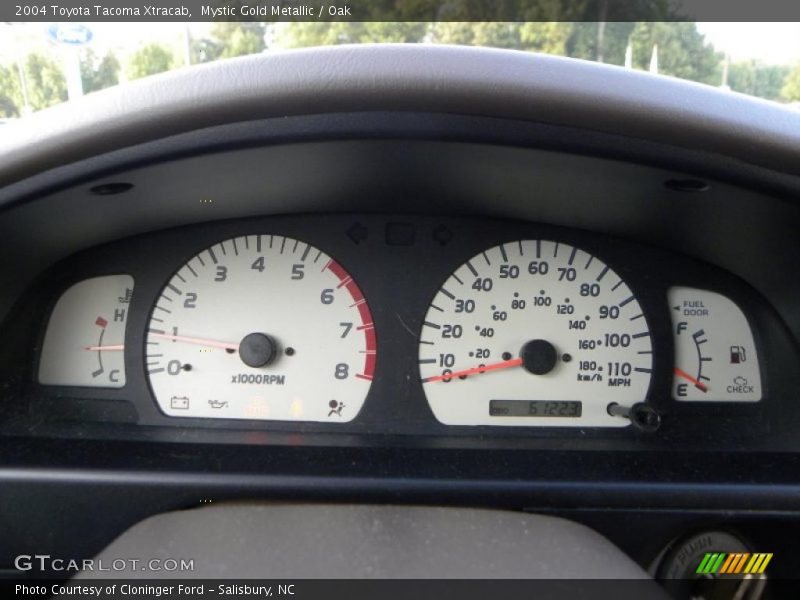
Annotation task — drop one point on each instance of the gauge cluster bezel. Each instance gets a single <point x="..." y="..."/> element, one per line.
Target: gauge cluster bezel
<point x="399" y="297"/>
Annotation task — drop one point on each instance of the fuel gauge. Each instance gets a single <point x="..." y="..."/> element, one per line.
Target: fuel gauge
<point x="84" y="342"/>
<point x="715" y="355"/>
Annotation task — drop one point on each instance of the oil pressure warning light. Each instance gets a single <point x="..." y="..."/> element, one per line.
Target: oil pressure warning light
<point x="715" y="355"/>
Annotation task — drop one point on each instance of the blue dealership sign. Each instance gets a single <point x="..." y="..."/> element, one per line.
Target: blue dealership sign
<point x="71" y="34"/>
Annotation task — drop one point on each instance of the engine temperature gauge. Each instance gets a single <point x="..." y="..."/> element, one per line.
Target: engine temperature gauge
<point x="715" y="355"/>
<point x="84" y="343"/>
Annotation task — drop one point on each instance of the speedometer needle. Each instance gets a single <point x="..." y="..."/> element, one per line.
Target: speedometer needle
<point x="698" y="384"/>
<point x="507" y="364"/>
<point x="106" y="348"/>
<point x="194" y="340"/>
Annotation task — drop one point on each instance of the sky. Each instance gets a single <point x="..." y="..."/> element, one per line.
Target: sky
<point x="771" y="43"/>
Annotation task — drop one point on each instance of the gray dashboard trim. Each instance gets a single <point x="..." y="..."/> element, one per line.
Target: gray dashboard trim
<point x="309" y="541"/>
<point x="444" y="79"/>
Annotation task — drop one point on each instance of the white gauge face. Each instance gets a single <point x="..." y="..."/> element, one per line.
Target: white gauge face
<point x="715" y="355"/>
<point x="261" y="327"/>
<point x="84" y="342"/>
<point x="534" y="333"/>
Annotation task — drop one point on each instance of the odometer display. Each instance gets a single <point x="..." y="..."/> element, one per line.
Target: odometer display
<point x="261" y="327"/>
<point x="534" y="322"/>
<point x="535" y="408"/>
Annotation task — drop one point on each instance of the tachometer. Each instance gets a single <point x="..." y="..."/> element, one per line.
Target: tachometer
<point x="261" y="327"/>
<point x="534" y="333"/>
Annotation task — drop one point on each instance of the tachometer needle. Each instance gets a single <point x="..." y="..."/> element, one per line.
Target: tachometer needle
<point x="105" y="348"/>
<point x="698" y="384"/>
<point x="495" y="367"/>
<point x="194" y="340"/>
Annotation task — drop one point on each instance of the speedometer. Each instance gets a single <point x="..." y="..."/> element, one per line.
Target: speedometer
<point x="538" y="333"/>
<point x="261" y="327"/>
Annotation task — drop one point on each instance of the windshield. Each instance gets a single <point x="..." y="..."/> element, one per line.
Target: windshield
<point x="38" y="69"/>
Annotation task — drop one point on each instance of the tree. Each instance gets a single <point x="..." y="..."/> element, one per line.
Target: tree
<point x="550" y="38"/>
<point x="306" y="34"/>
<point x="203" y="50"/>
<point x="98" y="73"/>
<point x="553" y="11"/>
<point x="682" y="51"/>
<point x="227" y="40"/>
<point x="791" y="89"/>
<point x="45" y="81"/>
<point x="152" y="59"/>
<point x="492" y="34"/>
<point x="604" y="42"/>
<point x="10" y="96"/>
<point x="238" y="39"/>
<point x="756" y="79"/>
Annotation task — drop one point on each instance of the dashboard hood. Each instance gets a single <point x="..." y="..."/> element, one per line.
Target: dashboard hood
<point x="399" y="77"/>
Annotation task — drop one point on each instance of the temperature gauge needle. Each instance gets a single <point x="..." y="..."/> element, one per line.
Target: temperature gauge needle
<point x="494" y="367"/>
<point x="698" y="384"/>
<point x="105" y="348"/>
<point x="198" y="341"/>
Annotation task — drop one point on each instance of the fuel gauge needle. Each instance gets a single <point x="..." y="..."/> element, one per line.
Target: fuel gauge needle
<point x="493" y="367"/>
<point x="698" y="384"/>
<point x="105" y="348"/>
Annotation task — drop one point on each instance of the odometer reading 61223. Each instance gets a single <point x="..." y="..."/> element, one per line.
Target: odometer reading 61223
<point x="261" y="327"/>
<point x="534" y="333"/>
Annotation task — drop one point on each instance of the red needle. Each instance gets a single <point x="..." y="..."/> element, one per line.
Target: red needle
<point x="115" y="347"/>
<point x="198" y="341"/>
<point x="699" y="385"/>
<point x="496" y="366"/>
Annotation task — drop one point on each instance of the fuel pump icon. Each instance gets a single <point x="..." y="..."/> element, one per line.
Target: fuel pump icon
<point x="738" y="355"/>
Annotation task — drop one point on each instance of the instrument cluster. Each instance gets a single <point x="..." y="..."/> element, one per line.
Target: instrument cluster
<point x="401" y="325"/>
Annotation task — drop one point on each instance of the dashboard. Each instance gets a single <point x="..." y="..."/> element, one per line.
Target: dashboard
<point x="452" y="277"/>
